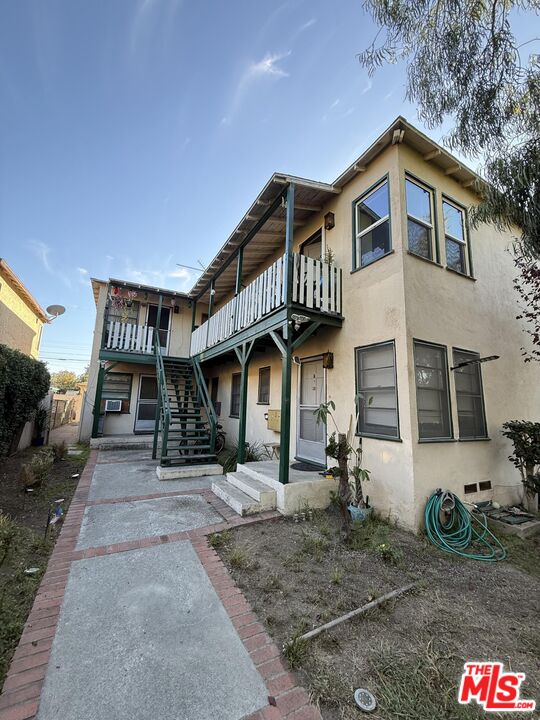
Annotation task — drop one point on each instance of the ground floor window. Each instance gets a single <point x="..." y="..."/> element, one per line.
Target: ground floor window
<point x="376" y="389"/>
<point x="469" y="396"/>
<point x="117" y="386"/>
<point x="235" y="395"/>
<point x="263" y="397"/>
<point x="432" y="396"/>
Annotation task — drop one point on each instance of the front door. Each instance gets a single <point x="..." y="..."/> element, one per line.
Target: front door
<point x="164" y="322"/>
<point x="310" y="435"/>
<point x="146" y="404"/>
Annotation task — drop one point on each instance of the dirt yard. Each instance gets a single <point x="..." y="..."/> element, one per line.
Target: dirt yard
<point x="409" y="652"/>
<point x="29" y="548"/>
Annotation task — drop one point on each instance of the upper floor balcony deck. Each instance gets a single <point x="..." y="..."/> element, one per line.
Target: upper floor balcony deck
<point x="316" y="286"/>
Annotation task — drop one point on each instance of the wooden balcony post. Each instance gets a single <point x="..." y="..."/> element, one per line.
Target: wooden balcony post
<point x="158" y="319"/>
<point x="244" y="356"/>
<point x="239" y="263"/>
<point x="193" y="314"/>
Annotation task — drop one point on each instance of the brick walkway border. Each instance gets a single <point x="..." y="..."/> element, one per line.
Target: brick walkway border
<point x="22" y="688"/>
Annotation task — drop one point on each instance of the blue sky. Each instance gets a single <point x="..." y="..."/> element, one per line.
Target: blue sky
<point x="136" y="133"/>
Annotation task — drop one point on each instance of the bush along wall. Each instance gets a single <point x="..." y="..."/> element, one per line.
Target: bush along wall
<point x="24" y="382"/>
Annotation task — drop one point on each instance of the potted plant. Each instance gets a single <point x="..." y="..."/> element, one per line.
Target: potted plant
<point x="40" y="424"/>
<point x="525" y="437"/>
<point x="359" y="506"/>
<point x="350" y="497"/>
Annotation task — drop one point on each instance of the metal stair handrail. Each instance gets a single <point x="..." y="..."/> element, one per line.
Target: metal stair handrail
<point x="204" y="398"/>
<point x="165" y="408"/>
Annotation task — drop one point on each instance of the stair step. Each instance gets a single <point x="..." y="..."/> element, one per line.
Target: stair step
<point x="186" y="459"/>
<point x="253" y="487"/>
<point x="236" y="499"/>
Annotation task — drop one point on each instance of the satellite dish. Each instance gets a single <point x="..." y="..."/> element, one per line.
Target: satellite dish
<point x="56" y="310"/>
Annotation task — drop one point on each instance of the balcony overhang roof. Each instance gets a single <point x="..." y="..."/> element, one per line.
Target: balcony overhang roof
<point x="96" y="284"/>
<point x="310" y="198"/>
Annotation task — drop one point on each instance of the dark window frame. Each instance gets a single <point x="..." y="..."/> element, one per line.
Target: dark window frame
<point x="126" y="404"/>
<point x="473" y="354"/>
<point x="259" y="401"/>
<point x="467" y="253"/>
<point x="312" y="240"/>
<point x="377" y="436"/>
<point x="234" y="395"/>
<point x="434" y="227"/>
<point x="370" y="190"/>
<point x="450" y="437"/>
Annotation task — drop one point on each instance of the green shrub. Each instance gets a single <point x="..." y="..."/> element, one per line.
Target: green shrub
<point x="60" y="450"/>
<point x="229" y="457"/>
<point x="525" y="437"/>
<point x="23" y="383"/>
<point x="36" y="472"/>
<point x="8" y="532"/>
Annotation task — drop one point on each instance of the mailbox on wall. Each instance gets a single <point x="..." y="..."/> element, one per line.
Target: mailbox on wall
<point x="274" y="420"/>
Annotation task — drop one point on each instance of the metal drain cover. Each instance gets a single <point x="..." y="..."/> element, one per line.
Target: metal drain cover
<point x="365" y="700"/>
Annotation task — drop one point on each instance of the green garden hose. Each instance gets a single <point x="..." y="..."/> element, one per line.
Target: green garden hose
<point x="452" y="528"/>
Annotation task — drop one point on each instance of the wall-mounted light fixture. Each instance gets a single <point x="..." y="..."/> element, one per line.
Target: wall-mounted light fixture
<point x="299" y="320"/>
<point x="329" y="221"/>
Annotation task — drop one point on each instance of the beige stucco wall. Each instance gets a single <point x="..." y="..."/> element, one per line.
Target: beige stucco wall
<point x="401" y="297"/>
<point x="444" y="307"/>
<point x="20" y="327"/>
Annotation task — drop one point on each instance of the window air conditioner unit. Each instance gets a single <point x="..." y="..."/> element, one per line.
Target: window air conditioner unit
<point x="113" y="406"/>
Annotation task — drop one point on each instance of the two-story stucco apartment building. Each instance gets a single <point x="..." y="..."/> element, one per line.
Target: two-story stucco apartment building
<point x="372" y="291"/>
<point x="21" y="316"/>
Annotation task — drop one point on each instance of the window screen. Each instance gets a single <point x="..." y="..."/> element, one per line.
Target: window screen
<point x="432" y="398"/>
<point x="372" y="225"/>
<point x="469" y="396"/>
<point x="235" y="395"/>
<point x="419" y="219"/>
<point x="264" y="386"/>
<point x="376" y="389"/>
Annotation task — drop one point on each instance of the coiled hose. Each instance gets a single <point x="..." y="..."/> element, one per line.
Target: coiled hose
<point x="452" y="528"/>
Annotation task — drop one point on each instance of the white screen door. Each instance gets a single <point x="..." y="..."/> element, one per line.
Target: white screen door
<point x="147" y="404"/>
<point x="310" y="435"/>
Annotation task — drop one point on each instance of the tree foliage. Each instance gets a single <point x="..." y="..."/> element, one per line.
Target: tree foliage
<point x="464" y="64"/>
<point x="64" y="380"/>
<point x="23" y="383"/>
<point x="525" y="437"/>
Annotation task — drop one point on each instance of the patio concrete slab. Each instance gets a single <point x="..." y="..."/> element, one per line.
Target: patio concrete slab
<point x="142" y="634"/>
<point x="121" y="522"/>
<point x="129" y="479"/>
<point x="141" y="455"/>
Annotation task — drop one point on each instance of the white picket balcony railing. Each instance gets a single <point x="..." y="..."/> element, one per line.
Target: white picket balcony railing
<point x="126" y="337"/>
<point x="316" y="285"/>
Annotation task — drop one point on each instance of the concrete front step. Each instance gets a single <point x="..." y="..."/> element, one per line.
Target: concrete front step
<point x="253" y="487"/>
<point x="236" y="499"/>
<point x="174" y="472"/>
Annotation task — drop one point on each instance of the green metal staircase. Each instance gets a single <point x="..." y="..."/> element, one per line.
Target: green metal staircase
<point x="186" y="420"/>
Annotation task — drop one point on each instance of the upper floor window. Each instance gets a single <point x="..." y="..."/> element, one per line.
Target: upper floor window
<point x="455" y="237"/>
<point x="419" y="219"/>
<point x="372" y="225"/>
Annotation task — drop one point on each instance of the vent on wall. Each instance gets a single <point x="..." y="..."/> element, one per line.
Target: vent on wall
<point x="470" y="488"/>
<point x="485" y="485"/>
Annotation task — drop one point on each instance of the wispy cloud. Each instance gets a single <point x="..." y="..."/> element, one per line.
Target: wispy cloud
<point x="43" y="252"/>
<point x="268" y="67"/>
<point x="367" y="87"/>
<point x="151" y="24"/>
<point x="307" y="25"/>
<point x="83" y="275"/>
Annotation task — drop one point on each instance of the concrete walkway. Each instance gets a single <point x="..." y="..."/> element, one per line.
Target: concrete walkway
<point x="137" y="618"/>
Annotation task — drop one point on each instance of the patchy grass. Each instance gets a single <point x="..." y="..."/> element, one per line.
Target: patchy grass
<point x="28" y="547"/>
<point x="410" y="651"/>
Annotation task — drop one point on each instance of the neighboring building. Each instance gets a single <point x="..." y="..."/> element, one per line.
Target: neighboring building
<point x="373" y="292"/>
<point x="21" y="316"/>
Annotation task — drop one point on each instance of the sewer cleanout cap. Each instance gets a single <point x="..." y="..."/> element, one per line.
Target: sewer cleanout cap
<point x="365" y="700"/>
